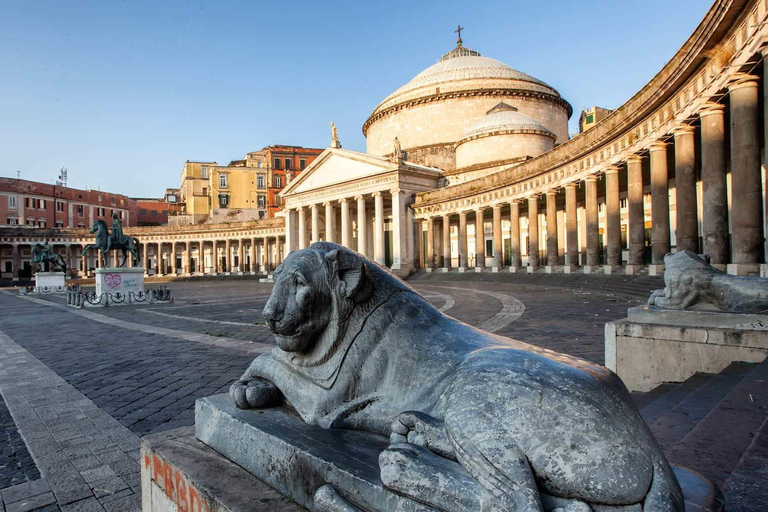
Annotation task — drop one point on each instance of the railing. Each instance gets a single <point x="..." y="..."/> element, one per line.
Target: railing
<point x="80" y="299"/>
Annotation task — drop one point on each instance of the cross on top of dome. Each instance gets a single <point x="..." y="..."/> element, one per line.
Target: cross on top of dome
<point x="460" y="50"/>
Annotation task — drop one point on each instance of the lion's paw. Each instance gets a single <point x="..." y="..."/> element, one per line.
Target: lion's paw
<point x="422" y="430"/>
<point x="254" y="393"/>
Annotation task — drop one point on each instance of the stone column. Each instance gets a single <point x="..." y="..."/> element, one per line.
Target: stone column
<point x="430" y="253"/>
<point x="362" y="222"/>
<point x="201" y="257"/>
<point x="227" y="256"/>
<point x="315" y="224"/>
<point x="446" y="243"/>
<point x="173" y="267"/>
<point x="346" y="231"/>
<point x="533" y="233"/>
<point x="515" y="259"/>
<point x="278" y="251"/>
<point x="252" y="255"/>
<point x="593" y="227"/>
<point x="479" y="240"/>
<point x="410" y="250"/>
<point x="553" y="258"/>
<point x="498" y="246"/>
<point x="571" y="229"/>
<point x="463" y="252"/>
<point x="714" y="224"/>
<point x="612" y="218"/>
<point x="302" y="227"/>
<point x="158" y="258"/>
<point x="746" y="184"/>
<point x="290" y="237"/>
<point x="399" y="253"/>
<point x="659" y="207"/>
<point x="17" y="255"/>
<point x="145" y="255"/>
<point x="215" y="256"/>
<point x="636" y="213"/>
<point x="378" y="238"/>
<point x="330" y="222"/>
<point x="259" y="250"/>
<point x="240" y="256"/>
<point x="188" y="262"/>
<point x="687" y="224"/>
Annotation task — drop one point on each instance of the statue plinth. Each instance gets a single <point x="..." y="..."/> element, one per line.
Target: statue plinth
<point x="48" y="282"/>
<point x="119" y="280"/>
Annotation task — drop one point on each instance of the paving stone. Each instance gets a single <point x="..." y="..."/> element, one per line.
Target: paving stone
<point x="109" y="487"/>
<point x="86" y="505"/>
<point x="25" y="490"/>
<point x="98" y="474"/>
<point x="31" y="503"/>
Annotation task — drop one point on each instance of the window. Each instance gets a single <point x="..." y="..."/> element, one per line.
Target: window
<point x="262" y="201"/>
<point x="590" y="118"/>
<point x="287" y="164"/>
<point x="80" y="210"/>
<point x="277" y="201"/>
<point x="154" y="213"/>
<point x="9" y="266"/>
<point x="261" y="215"/>
<point x="223" y="200"/>
<point x="12" y="221"/>
<point x="258" y="165"/>
<point x="30" y="222"/>
<point x="277" y="163"/>
<point x="12" y="203"/>
<point x="41" y="223"/>
<point x="101" y="198"/>
<point x="100" y="212"/>
<point x="260" y="181"/>
<point x="59" y="206"/>
<point x="204" y="172"/>
<point x="302" y="164"/>
<point x="278" y="181"/>
<point x="489" y="248"/>
<point x="59" y="223"/>
<point x="171" y="198"/>
<point x="27" y="202"/>
<point x="41" y="204"/>
<point x="223" y="180"/>
<point x="143" y="211"/>
<point x="205" y="191"/>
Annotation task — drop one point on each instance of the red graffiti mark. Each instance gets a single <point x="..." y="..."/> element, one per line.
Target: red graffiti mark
<point x="176" y="486"/>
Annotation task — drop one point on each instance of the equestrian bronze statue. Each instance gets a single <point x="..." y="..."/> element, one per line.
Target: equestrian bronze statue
<point x="116" y="240"/>
<point x="43" y="258"/>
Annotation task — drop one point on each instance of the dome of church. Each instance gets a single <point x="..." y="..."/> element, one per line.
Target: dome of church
<point x="506" y="118"/>
<point x="433" y="111"/>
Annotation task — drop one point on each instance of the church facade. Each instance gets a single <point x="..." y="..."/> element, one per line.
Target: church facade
<point x="469" y="166"/>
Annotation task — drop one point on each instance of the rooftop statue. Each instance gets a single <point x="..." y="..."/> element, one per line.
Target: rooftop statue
<point x="116" y="240"/>
<point x="44" y="258"/>
<point x="691" y="282"/>
<point x="334" y="133"/>
<point x="475" y="421"/>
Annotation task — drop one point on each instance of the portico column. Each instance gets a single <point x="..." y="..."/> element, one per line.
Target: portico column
<point x="227" y="256"/>
<point x="302" y="227"/>
<point x="278" y="251"/>
<point x="714" y="223"/>
<point x="446" y="242"/>
<point x="330" y="222"/>
<point x="533" y="232"/>
<point x="378" y="240"/>
<point x="144" y="254"/>
<point x="17" y="256"/>
<point x="173" y="258"/>
<point x="687" y="225"/>
<point x="613" y="216"/>
<point x="252" y="255"/>
<point x="346" y="232"/>
<point x="315" y="224"/>
<point x="158" y="258"/>
<point x="399" y="255"/>
<point x="290" y="238"/>
<point x="659" y="202"/>
<point x="747" y="205"/>
<point x="430" y="253"/>
<point x="571" y="227"/>
<point x="636" y="210"/>
<point x="553" y="258"/>
<point x="593" y="228"/>
<point x="498" y="247"/>
<point x="188" y="270"/>
<point x="201" y="257"/>
<point x="362" y="222"/>
<point x="479" y="240"/>
<point x="259" y="250"/>
<point x="215" y="256"/>
<point x="515" y="259"/>
<point x="240" y="255"/>
<point x="463" y="241"/>
<point x="410" y="249"/>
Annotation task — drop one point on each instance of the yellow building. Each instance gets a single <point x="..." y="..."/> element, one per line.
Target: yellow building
<point x="195" y="192"/>
<point x="238" y="192"/>
<point x="591" y="116"/>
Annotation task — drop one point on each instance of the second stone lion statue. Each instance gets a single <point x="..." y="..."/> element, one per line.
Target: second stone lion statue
<point x="476" y="421"/>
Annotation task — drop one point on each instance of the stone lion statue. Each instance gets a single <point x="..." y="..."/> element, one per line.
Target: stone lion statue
<point x="475" y="421"/>
<point x="691" y="282"/>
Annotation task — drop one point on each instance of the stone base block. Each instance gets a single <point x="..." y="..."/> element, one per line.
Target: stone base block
<point x="591" y="269"/>
<point x="652" y="346"/>
<point x="479" y="269"/>
<point x="445" y="269"/>
<point x="569" y="269"/>
<point x="429" y="270"/>
<point x="495" y="269"/>
<point x="552" y="269"/>
<point x="743" y="269"/>
<point x="655" y="270"/>
<point x="631" y="270"/>
<point x="47" y="282"/>
<point x="119" y="279"/>
<point x="512" y="270"/>
<point x="297" y="459"/>
<point x="179" y="473"/>
<point x="722" y="267"/>
<point x="612" y="269"/>
<point x="461" y="270"/>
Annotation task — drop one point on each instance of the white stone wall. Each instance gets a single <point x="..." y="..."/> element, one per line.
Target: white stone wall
<point x="446" y="121"/>
<point x="501" y="147"/>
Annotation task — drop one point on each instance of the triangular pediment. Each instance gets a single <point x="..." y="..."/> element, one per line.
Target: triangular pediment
<point x="336" y="166"/>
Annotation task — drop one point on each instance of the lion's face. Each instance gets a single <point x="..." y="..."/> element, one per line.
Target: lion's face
<point x="313" y="288"/>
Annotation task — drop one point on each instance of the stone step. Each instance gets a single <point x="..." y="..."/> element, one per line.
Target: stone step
<point x="672" y="398"/>
<point x="643" y="400"/>
<point x="717" y="443"/>
<point x="673" y="426"/>
<point x="746" y="490"/>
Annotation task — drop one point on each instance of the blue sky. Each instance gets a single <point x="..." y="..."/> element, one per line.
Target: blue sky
<point x="123" y="92"/>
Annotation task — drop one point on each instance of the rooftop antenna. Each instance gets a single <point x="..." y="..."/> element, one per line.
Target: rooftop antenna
<point x="63" y="177"/>
<point x="18" y="175"/>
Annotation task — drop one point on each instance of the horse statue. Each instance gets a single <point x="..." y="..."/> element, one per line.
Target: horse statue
<point x="43" y="258"/>
<point x="106" y="241"/>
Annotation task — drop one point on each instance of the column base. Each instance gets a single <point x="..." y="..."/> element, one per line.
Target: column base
<point x="719" y="266"/>
<point x="429" y="270"/>
<point x="655" y="270"/>
<point x="512" y="270"/>
<point x="612" y="269"/>
<point x="570" y="269"/>
<point x="631" y="270"/>
<point x="743" y="269"/>
<point x="763" y="270"/>
<point x="495" y="269"/>
<point x="461" y="270"/>
<point x="530" y="269"/>
<point x="445" y="269"/>
<point x="479" y="269"/>
<point x="552" y="269"/>
<point x="591" y="269"/>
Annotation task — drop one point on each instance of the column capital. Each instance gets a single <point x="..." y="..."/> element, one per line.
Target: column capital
<point x="396" y="191"/>
<point x="712" y="107"/>
<point x="313" y="206"/>
<point x="612" y="169"/>
<point x="497" y="206"/>
<point x="376" y="194"/>
<point x="446" y="216"/>
<point x="327" y="204"/>
<point x="658" y="145"/>
<point x="359" y="198"/>
<point x="590" y="178"/>
<point x="683" y="129"/>
<point x="551" y="192"/>
<point x="634" y="159"/>
<point x="571" y="184"/>
<point x="463" y="214"/>
<point x="480" y="209"/>
<point x="742" y="80"/>
<point x="299" y="209"/>
<point x="343" y="200"/>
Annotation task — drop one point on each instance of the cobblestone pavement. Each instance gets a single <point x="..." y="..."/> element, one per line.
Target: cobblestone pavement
<point x="84" y="385"/>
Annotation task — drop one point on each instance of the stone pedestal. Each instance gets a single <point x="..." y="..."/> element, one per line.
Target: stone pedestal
<point x="50" y="282"/>
<point x="654" y="345"/>
<point x="296" y="459"/>
<point x="655" y="270"/>
<point x="495" y="269"/>
<point x="119" y="279"/>
<point x="743" y="269"/>
<point x="612" y="269"/>
<point x="444" y="270"/>
<point x="631" y="270"/>
<point x="591" y="269"/>
<point x="531" y="269"/>
<point x="552" y="269"/>
<point x="461" y="270"/>
<point x="513" y="269"/>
